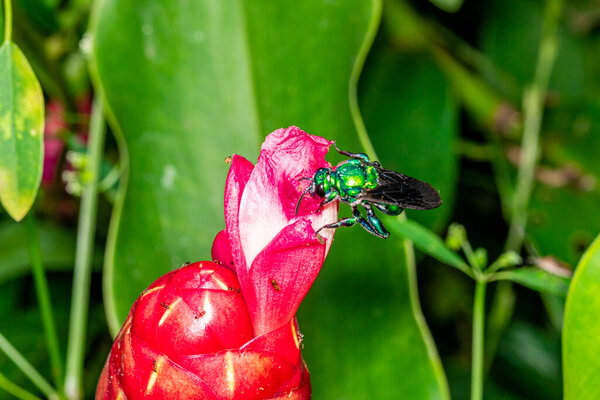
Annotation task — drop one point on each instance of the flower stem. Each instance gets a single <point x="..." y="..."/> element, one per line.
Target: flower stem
<point x="533" y="109"/>
<point x="43" y="297"/>
<point x="28" y="369"/>
<point x="15" y="390"/>
<point x="7" y="20"/>
<point x="83" y="257"/>
<point x="477" y="346"/>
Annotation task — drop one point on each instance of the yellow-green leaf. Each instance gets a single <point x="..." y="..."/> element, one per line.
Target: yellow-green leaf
<point x="21" y="132"/>
<point x="581" y="347"/>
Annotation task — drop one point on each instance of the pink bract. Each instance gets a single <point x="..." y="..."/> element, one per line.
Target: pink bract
<point x="275" y="252"/>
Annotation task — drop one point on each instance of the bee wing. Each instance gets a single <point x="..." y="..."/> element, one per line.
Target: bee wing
<point x="403" y="191"/>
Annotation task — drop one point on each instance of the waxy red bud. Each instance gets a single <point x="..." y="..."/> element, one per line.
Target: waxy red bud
<point x="188" y="336"/>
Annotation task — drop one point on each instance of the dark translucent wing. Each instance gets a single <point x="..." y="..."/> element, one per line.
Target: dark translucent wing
<point x="403" y="191"/>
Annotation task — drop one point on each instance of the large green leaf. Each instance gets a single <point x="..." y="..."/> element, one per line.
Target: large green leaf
<point x="412" y="119"/>
<point x="202" y="82"/>
<point x="21" y="129"/>
<point x="581" y="364"/>
<point x="363" y="325"/>
<point x="187" y="86"/>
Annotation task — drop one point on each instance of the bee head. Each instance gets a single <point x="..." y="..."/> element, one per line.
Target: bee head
<point x="319" y="186"/>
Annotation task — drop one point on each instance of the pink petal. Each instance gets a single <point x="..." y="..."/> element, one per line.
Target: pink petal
<point x="55" y="119"/>
<point x="238" y="176"/>
<point x="269" y="200"/>
<point x="281" y="275"/>
<point x="221" y="250"/>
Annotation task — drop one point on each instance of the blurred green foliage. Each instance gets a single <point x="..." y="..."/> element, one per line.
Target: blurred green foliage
<point x="439" y="87"/>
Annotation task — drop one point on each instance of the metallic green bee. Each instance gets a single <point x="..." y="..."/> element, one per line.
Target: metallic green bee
<point x="362" y="182"/>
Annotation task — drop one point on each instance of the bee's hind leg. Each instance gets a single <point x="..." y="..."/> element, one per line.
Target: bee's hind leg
<point x="371" y="224"/>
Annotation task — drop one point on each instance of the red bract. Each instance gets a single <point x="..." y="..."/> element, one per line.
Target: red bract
<point x="53" y="145"/>
<point x="227" y="329"/>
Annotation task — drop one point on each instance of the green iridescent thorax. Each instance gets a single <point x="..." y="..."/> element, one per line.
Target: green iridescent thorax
<point x="353" y="176"/>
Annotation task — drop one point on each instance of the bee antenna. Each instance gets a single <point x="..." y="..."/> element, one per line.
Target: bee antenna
<point x="305" y="178"/>
<point x="300" y="199"/>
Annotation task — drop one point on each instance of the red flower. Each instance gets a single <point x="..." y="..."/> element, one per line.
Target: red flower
<point x="227" y="329"/>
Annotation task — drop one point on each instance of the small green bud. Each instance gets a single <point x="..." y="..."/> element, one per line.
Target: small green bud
<point x="506" y="260"/>
<point x="457" y="235"/>
<point x="480" y="257"/>
<point x="77" y="159"/>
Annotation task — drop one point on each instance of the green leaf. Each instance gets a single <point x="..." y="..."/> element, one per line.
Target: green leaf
<point x="536" y="279"/>
<point x="360" y="336"/>
<point x="426" y="241"/>
<point x="529" y="358"/>
<point x="581" y="364"/>
<point x="211" y="79"/>
<point x="57" y="246"/>
<point x="203" y="82"/>
<point x="510" y="37"/>
<point x="21" y="132"/>
<point x="413" y="131"/>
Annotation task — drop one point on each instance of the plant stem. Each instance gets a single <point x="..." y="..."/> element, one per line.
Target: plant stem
<point x="361" y="130"/>
<point x="83" y="257"/>
<point x="7" y="21"/>
<point x="16" y="390"/>
<point x="28" y="369"/>
<point x="477" y="346"/>
<point x="468" y="250"/>
<point x="533" y="109"/>
<point x="43" y="297"/>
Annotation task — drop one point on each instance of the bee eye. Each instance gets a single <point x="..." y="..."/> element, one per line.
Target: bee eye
<point x="320" y="190"/>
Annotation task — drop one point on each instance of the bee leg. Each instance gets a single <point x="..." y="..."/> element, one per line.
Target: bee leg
<point x="375" y="226"/>
<point x="371" y="224"/>
<point x="327" y="200"/>
<point x="389" y="209"/>
<point x="350" y="221"/>
<point x="358" y="156"/>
